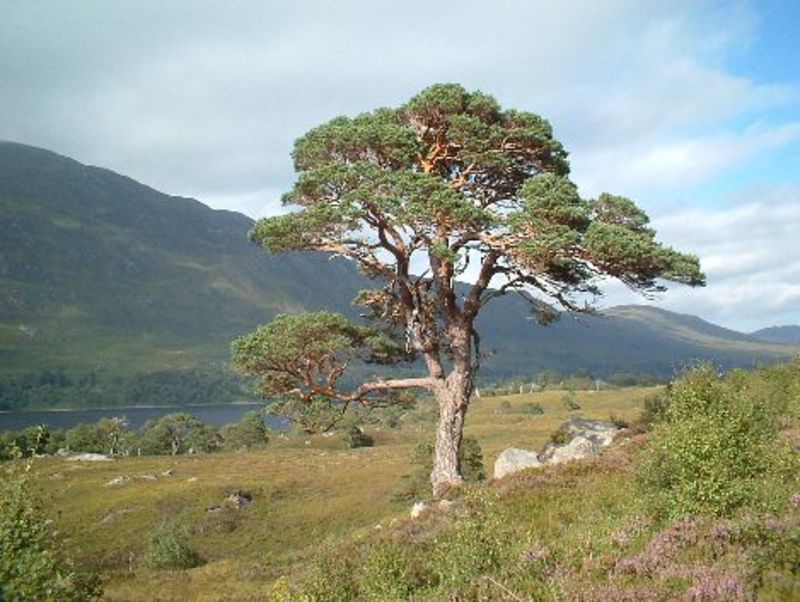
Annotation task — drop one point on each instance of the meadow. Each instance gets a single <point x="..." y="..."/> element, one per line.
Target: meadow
<point x="308" y="494"/>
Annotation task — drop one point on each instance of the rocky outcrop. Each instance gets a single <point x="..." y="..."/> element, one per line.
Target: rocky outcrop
<point x="576" y="439"/>
<point x="513" y="460"/>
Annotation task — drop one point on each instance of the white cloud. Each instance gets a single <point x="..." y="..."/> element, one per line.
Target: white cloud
<point x="750" y="255"/>
<point x="674" y="164"/>
<point x="205" y="99"/>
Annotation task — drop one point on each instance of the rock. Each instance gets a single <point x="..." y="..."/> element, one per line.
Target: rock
<point x="417" y="509"/>
<point x="513" y="460"/>
<point x="580" y="438"/>
<point x="167" y="473"/>
<point x="148" y="477"/>
<point x="120" y="480"/>
<point x="191" y="480"/>
<point x="239" y="499"/>
<point x="577" y="449"/>
<point x="87" y="457"/>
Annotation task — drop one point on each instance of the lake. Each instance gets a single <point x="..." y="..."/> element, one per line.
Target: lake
<point x="136" y="416"/>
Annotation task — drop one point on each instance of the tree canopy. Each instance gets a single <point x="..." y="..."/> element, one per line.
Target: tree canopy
<point x="452" y="186"/>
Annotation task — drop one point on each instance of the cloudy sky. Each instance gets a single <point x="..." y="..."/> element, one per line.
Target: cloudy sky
<point x="690" y="107"/>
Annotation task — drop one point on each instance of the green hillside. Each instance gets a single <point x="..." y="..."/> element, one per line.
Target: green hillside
<point x="779" y="334"/>
<point x="112" y="292"/>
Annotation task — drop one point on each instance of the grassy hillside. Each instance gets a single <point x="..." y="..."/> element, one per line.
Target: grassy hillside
<point x="306" y="497"/>
<point x="105" y="281"/>
<point x="324" y="524"/>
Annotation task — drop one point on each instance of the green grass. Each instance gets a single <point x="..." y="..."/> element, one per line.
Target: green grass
<point x="305" y="496"/>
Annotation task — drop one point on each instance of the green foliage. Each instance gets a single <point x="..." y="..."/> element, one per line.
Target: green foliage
<point x="107" y="436"/>
<point x="249" y="433"/>
<point x="714" y="448"/>
<point x="654" y="411"/>
<point x="548" y="378"/>
<point x="571" y="402"/>
<point x="300" y="358"/>
<point x="90" y="389"/>
<point x="178" y="433"/>
<point x="32" y="564"/>
<point x="390" y="573"/>
<point x="169" y="549"/>
<point x="354" y="436"/>
<point x="531" y="408"/>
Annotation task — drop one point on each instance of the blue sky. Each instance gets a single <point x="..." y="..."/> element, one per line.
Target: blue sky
<point x="691" y="107"/>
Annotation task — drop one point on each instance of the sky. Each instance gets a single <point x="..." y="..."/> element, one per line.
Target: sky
<point x="691" y="108"/>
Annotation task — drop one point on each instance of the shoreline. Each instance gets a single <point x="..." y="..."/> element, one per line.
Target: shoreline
<point x="136" y="407"/>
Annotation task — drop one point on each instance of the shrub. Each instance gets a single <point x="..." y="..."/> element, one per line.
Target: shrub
<point x="32" y="565"/>
<point x="653" y="412"/>
<point x="250" y="432"/>
<point x="571" y="401"/>
<point x="532" y="409"/>
<point x="472" y="546"/>
<point x="169" y="549"/>
<point x="178" y="433"/>
<point x="714" y="450"/>
<point x="389" y="574"/>
<point x="354" y="436"/>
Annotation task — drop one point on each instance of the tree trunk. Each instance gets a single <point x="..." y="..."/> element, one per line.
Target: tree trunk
<point x="453" y="399"/>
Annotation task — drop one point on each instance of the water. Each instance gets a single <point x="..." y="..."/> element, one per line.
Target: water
<point x="216" y="415"/>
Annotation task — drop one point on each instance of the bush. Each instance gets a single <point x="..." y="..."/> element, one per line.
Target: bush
<point x="354" y="436"/>
<point x="571" y="401"/>
<point x="472" y="546"/>
<point x="32" y="565"/>
<point x="653" y="412"/>
<point x="169" y="549"/>
<point x="532" y="409"/>
<point x="249" y="433"/>
<point x="178" y="433"/>
<point x="714" y="450"/>
<point x="388" y="574"/>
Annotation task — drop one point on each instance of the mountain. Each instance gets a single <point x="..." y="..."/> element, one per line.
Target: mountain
<point x="789" y="335"/>
<point x="115" y="292"/>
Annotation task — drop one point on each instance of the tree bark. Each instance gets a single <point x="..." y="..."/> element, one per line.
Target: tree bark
<point x="452" y="395"/>
<point x="446" y="473"/>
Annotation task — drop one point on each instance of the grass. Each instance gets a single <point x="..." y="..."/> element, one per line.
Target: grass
<point x="307" y="493"/>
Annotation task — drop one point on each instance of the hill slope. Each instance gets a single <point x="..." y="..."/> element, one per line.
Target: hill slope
<point x="789" y="335"/>
<point x="109" y="279"/>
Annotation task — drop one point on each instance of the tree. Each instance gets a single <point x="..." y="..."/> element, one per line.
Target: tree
<point x="178" y="433"/>
<point x="33" y="565"/>
<point x="420" y="195"/>
<point x="249" y="432"/>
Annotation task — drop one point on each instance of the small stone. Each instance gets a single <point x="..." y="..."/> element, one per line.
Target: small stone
<point x="239" y="499"/>
<point x="148" y="477"/>
<point x="191" y="480"/>
<point x="120" y="480"/>
<point x="167" y="473"/>
<point x="417" y="509"/>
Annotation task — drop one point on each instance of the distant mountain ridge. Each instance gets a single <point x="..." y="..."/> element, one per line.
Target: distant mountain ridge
<point x="101" y="274"/>
<point x="789" y="335"/>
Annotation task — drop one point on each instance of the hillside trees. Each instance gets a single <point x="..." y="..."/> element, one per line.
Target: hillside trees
<point x="448" y="186"/>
